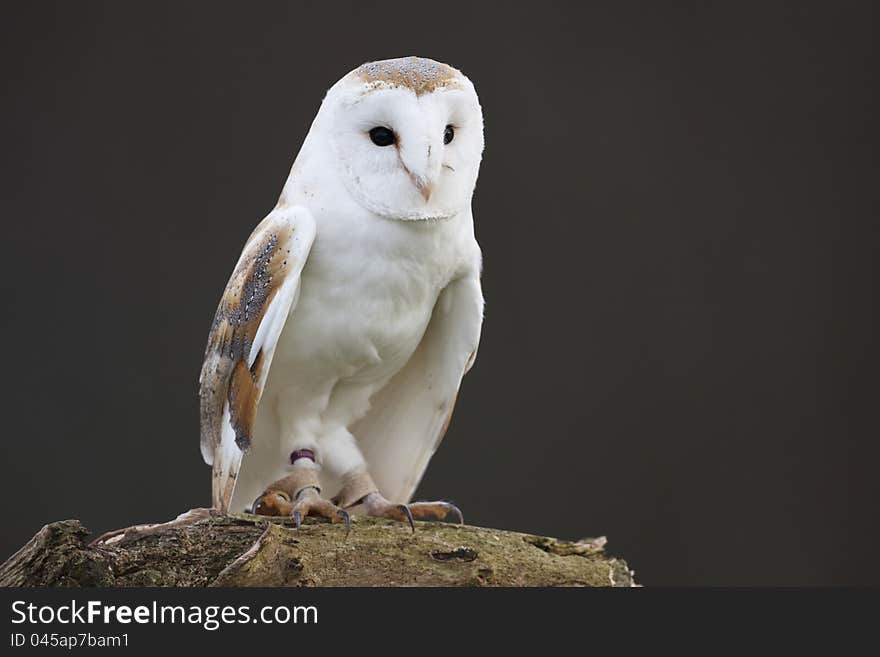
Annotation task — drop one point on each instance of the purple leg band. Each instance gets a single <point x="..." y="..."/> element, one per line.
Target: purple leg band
<point x="302" y="454"/>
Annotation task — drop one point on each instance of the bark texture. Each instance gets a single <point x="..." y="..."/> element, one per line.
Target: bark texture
<point x="245" y="550"/>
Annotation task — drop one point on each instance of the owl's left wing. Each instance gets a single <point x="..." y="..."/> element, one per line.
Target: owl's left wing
<point x="409" y="416"/>
<point x="263" y="289"/>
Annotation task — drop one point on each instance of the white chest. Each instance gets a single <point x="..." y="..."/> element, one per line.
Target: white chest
<point x="367" y="294"/>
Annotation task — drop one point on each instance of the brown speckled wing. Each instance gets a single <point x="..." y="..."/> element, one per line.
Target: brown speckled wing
<point x="249" y="319"/>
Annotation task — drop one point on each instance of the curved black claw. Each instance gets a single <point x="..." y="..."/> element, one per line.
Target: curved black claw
<point x="297" y="518"/>
<point x="405" y="509"/>
<point x="254" y="505"/>
<point x="347" y="520"/>
<point x="456" y="514"/>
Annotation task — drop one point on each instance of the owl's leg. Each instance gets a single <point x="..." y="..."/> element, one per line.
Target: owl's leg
<point x="299" y="494"/>
<point x="359" y="488"/>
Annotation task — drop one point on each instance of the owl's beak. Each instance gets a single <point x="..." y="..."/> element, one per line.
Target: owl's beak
<point x="425" y="188"/>
<point x="422" y="170"/>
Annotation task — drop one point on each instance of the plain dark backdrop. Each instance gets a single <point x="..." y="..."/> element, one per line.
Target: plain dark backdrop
<point x="677" y="208"/>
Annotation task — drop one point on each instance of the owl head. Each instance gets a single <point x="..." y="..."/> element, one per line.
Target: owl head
<point x="406" y="136"/>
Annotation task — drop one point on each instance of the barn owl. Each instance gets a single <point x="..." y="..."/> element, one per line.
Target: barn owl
<point x="340" y="342"/>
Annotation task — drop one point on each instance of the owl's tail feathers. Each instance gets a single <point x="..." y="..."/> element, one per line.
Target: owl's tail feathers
<point x="227" y="462"/>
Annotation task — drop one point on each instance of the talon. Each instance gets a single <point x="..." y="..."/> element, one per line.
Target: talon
<point x="346" y="518"/>
<point x="297" y="518"/>
<point x="457" y="514"/>
<point x="379" y="507"/>
<point x="409" y="516"/>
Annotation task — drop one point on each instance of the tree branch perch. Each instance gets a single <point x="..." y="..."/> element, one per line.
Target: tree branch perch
<point x="245" y="550"/>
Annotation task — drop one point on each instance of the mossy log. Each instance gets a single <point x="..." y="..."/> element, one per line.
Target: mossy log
<point x="246" y="550"/>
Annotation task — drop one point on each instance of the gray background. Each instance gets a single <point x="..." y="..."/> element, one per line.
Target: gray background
<point x="677" y="209"/>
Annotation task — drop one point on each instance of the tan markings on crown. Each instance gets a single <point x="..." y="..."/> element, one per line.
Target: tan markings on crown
<point x="416" y="73"/>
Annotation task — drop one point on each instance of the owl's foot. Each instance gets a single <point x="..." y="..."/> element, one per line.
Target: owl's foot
<point x="360" y="489"/>
<point x="298" y="496"/>
<point x="307" y="503"/>
<point x="120" y="537"/>
<point x="376" y="505"/>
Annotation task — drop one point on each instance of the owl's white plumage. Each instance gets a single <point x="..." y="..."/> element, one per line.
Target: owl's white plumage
<point x="356" y="306"/>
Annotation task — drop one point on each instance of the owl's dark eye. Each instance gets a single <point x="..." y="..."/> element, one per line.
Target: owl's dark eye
<point x="448" y="134"/>
<point x="382" y="136"/>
